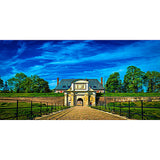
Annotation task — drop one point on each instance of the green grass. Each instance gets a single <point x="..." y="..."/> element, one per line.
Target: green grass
<point x="62" y="94"/>
<point x="151" y="110"/>
<point x="8" y="110"/>
<point x="131" y="94"/>
<point x="31" y="94"/>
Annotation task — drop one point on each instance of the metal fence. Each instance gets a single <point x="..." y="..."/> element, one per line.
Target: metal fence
<point x="26" y="110"/>
<point x="144" y="110"/>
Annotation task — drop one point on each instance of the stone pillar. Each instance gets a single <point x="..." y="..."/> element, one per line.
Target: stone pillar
<point x="94" y="99"/>
<point x="66" y="99"/>
<point x="86" y="99"/>
<point x="72" y="99"/>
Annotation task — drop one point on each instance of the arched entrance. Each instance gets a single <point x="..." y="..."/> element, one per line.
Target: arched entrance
<point x="79" y="102"/>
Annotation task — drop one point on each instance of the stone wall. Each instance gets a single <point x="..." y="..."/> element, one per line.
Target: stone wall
<point x="123" y="99"/>
<point x="50" y="100"/>
<point x="60" y="100"/>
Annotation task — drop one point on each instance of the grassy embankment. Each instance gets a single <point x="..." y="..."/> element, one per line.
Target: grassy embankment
<point x="62" y="94"/>
<point x="31" y="94"/>
<point x="132" y="94"/>
<point x="151" y="110"/>
<point x="8" y="110"/>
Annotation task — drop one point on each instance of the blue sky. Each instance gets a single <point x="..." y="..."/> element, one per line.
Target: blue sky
<point x="76" y="58"/>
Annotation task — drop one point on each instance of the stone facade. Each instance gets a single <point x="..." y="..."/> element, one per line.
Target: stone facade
<point x="80" y="94"/>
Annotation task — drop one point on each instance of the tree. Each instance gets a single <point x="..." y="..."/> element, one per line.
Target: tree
<point x="113" y="84"/>
<point x="133" y="80"/>
<point x="39" y="85"/>
<point x="6" y="89"/>
<point x="17" y="83"/>
<point x="1" y="83"/>
<point x="22" y="83"/>
<point x="152" y="81"/>
<point x="27" y="83"/>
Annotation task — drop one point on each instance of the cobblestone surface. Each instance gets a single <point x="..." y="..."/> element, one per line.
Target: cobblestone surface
<point x="84" y="113"/>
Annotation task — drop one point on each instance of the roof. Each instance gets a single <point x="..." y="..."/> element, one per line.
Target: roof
<point x="65" y="84"/>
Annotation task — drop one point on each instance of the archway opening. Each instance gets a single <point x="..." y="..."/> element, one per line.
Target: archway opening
<point x="79" y="102"/>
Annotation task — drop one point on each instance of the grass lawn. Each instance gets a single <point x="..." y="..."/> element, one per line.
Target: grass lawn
<point x="9" y="110"/>
<point x="132" y="94"/>
<point x="31" y="94"/>
<point x="151" y="110"/>
<point x="62" y="94"/>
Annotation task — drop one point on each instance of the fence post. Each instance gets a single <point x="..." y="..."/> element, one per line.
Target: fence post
<point x="129" y="109"/>
<point x="17" y="111"/>
<point x="31" y="109"/>
<point x="142" y="108"/>
<point x="51" y="107"/>
<point x="120" y="108"/>
<point x="41" y="109"/>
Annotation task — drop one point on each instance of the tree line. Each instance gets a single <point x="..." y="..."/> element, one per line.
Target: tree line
<point x="135" y="81"/>
<point x="20" y="83"/>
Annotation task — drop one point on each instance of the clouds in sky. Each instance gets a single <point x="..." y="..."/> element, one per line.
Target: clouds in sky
<point x="76" y="58"/>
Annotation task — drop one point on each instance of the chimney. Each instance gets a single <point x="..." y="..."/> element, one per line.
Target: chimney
<point x="57" y="81"/>
<point x="102" y="81"/>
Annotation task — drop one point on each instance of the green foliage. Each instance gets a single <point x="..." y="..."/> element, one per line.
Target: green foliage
<point x="17" y="83"/>
<point x="1" y="83"/>
<point x="133" y="80"/>
<point x="23" y="84"/>
<point x="6" y="88"/>
<point x="152" y="81"/>
<point x="113" y="84"/>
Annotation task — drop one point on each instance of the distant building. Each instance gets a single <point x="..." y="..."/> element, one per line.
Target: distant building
<point x="79" y="91"/>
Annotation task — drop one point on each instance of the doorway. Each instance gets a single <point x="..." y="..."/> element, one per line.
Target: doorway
<point x="79" y="102"/>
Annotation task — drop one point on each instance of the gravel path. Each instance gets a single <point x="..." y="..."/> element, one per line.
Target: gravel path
<point x="82" y="113"/>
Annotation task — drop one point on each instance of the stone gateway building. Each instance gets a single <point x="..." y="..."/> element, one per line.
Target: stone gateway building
<point x="80" y="92"/>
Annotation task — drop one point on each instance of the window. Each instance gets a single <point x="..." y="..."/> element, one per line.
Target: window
<point x="94" y="87"/>
<point x="64" y="86"/>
